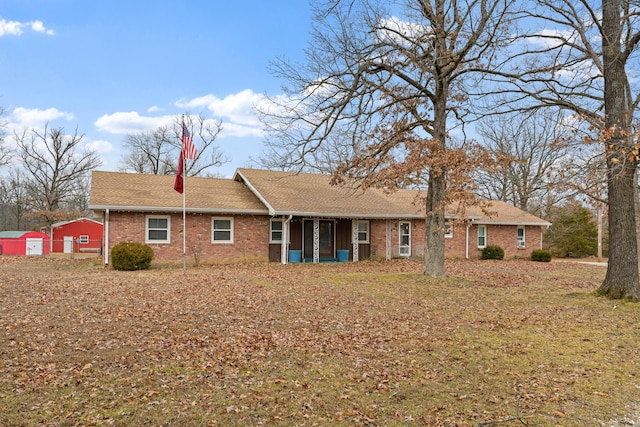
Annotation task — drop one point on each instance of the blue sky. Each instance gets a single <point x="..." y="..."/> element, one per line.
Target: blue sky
<point x="116" y="67"/>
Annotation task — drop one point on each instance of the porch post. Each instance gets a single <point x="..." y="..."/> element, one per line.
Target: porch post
<point x="354" y="240"/>
<point x="285" y="240"/>
<point x="316" y="240"/>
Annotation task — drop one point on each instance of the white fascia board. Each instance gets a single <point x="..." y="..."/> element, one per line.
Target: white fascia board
<point x="177" y="209"/>
<point x="272" y="211"/>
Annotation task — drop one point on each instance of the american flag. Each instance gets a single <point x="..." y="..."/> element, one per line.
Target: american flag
<point x="188" y="148"/>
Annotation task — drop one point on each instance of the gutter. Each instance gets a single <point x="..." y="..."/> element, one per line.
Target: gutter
<point x="177" y="209"/>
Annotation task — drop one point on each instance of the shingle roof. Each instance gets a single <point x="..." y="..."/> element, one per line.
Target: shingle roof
<point x="306" y="194"/>
<point x="155" y="193"/>
<point x="257" y="191"/>
<point x="502" y="213"/>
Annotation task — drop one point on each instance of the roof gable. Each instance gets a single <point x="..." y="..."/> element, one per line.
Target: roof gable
<point x="290" y="193"/>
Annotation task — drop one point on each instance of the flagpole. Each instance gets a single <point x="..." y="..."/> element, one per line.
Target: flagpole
<point x="188" y="151"/>
<point x="184" y="207"/>
<point x="184" y="217"/>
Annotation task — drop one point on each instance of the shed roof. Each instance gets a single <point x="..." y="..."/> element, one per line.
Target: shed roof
<point x="12" y="234"/>
<point x="18" y="234"/>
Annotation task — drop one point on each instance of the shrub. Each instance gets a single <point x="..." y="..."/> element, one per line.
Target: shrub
<point x="541" y="255"/>
<point x="131" y="256"/>
<point x="574" y="234"/>
<point x="492" y="252"/>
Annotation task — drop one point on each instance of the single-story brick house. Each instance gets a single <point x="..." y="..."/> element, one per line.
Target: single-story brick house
<point x="287" y="217"/>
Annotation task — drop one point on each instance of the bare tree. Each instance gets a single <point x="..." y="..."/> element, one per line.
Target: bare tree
<point x="539" y="144"/>
<point x="5" y="152"/>
<point x="582" y="62"/>
<point x="149" y="152"/>
<point x="389" y="82"/>
<point x="156" y="152"/>
<point x="15" y="201"/>
<point x="56" y="164"/>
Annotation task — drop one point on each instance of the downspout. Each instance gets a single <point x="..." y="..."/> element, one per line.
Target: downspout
<point x="285" y="239"/>
<point x="106" y="237"/>
<point x="466" y="243"/>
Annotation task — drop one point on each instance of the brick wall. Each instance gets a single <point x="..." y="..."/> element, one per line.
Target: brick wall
<point x="505" y="236"/>
<point x="455" y="246"/>
<point x="251" y="237"/>
<point x="379" y="236"/>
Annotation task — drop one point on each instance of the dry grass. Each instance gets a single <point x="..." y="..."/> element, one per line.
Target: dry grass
<point x="370" y="344"/>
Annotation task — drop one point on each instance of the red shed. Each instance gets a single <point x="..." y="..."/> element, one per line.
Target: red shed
<point x="75" y="236"/>
<point x="24" y="243"/>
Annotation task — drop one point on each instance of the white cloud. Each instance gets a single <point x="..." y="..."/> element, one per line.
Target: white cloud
<point x="16" y="28"/>
<point x="237" y="108"/>
<point x="129" y="122"/>
<point x="100" y="146"/>
<point x="552" y="38"/>
<point x="400" y="31"/>
<point x="34" y="118"/>
<point x="240" y="131"/>
<point x="236" y="112"/>
<point x="38" y="27"/>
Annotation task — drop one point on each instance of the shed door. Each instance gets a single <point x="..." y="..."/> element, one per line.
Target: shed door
<point x="68" y="244"/>
<point x="35" y="246"/>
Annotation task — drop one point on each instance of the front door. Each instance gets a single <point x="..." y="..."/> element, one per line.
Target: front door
<point x="405" y="239"/>
<point x="326" y="239"/>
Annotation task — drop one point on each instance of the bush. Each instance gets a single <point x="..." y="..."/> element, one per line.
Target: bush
<point x="541" y="255"/>
<point x="574" y="234"/>
<point x="492" y="252"/>
<point x="130" y="256"/>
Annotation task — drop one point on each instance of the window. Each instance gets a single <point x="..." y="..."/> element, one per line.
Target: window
<point x="222" y="230"/>
<point x="521" y="239"/>
<point x="405" y="239"/>
<point x="158" y="229"/>
<point x="363" y="231"/>
<point x="275" y="232"/>
<point x="83" y="239"/>
<point x="482" y="236"/>
<point x="448" y="230"/>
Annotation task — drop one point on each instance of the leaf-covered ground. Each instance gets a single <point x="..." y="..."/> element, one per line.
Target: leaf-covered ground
<point x="366" y="344"/>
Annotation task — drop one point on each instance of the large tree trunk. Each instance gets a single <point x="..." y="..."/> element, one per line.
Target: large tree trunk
<point x="434" y="228"/>
<point x="622" y="278"/>
<point x="434" y="223"/>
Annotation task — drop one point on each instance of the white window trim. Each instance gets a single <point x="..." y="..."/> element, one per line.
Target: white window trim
<point x="400" y="245"/>
<point x="368" y="239"/>
<point x="281" y="231"/>
<point x="522" y="243"/>
<point x="484" y="227"/>
<point x="146" y="229"/>
<point x="448" y="234"/>
<point x="83" y="239"/>
<point x="223" y="242"/>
